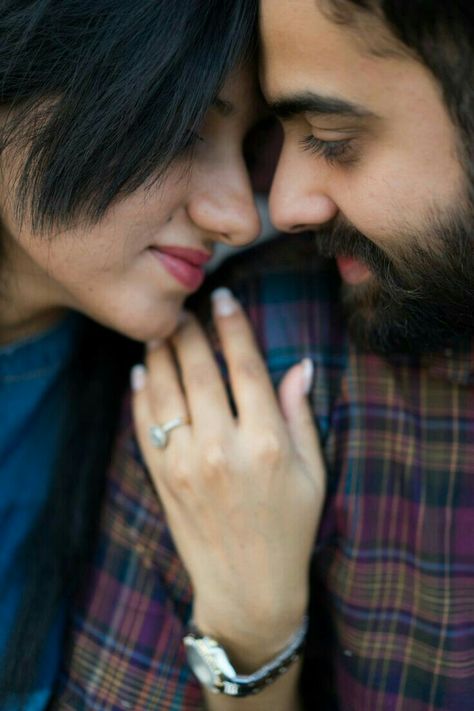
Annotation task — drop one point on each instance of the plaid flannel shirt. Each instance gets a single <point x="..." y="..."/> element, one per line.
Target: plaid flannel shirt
<point x="392" y="576"/>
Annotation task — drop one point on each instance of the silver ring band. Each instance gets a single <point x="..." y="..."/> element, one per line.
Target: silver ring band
<point x="159" y="434"/>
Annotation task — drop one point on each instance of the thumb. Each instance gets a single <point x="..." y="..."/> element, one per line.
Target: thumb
<point x="293" y="397"/>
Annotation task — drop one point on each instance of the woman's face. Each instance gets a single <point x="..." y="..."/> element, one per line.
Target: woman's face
<point x="133" y="270"/>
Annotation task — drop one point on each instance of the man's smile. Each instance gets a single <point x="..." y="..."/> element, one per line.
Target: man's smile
<point x="352" y="270"/>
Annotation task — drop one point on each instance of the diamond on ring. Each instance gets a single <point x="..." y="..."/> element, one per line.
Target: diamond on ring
<point x="159" y="434"/>
<point x="158" y="437"/>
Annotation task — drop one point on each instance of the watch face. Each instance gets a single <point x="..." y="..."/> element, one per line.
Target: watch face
<point x="203" y="672"/>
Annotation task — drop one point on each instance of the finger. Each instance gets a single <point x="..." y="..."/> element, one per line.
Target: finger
<point x="252" y="388"/>
<point x="142" y="416"/>
<point x="158" y="399"/>
<point x="293" y="396"/>
<point x="167" y="400"/>
<point x="206" y="395"/>
<point x="145" y="416"/>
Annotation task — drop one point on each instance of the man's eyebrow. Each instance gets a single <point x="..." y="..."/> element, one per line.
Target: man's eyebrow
<point x="224" y="107"/>
<point x="294" y="105"/>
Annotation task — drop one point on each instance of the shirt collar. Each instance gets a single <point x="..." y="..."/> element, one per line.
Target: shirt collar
<point x="455" y="364"/>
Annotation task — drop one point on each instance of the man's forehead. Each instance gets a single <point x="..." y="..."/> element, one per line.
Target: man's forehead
<point x="299" y="42"/>
<point x="303" y="50"/>
<point x="281" y="20"/>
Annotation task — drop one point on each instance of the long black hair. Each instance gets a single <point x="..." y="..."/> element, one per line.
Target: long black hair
<point x="106" y="93"/>
<point x="97" y="97"/>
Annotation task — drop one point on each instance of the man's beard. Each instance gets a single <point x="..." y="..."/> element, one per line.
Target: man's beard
<point x="417" y="300"/>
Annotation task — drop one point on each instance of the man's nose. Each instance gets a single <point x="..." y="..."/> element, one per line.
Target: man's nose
<point x="299" y="198"/>
<point x="223" y="205"/>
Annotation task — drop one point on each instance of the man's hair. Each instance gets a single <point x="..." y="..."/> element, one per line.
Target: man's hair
<point x="103" y="95"/>
<point x="440" y="34"/>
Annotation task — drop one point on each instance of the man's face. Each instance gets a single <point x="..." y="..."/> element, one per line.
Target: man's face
<point x="371" y="156"/>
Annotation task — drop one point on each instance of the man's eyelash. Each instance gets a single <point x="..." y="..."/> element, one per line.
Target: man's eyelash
<point x="331" y="151"/>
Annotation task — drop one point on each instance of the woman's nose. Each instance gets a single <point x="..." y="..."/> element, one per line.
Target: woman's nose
<point x="299" y="199"/>
<point x="222" y="204"/>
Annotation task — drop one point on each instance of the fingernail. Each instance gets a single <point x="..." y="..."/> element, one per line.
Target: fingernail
<point x="308" y="375"/>
<point x="224" y="302"/>
<point x="138" y="377"/>
<point x="154" y="344"/>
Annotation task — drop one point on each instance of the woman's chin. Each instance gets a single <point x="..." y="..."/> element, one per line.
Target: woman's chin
<point x="140" y="319"/>
<point x="149" y="329"/>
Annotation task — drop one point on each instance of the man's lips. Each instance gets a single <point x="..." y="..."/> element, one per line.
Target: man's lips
<point x="352" y="270"/>
<point x="185" y="265"/>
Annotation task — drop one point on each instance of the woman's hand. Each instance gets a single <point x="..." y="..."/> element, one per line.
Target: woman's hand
<point x="243" y="494"/>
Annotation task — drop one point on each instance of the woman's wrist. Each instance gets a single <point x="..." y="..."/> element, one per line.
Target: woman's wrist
<point x="251" y="646"/>
<point x="212" y="666"/>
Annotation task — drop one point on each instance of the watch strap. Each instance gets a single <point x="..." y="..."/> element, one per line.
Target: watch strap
<point x="230" y="683"/>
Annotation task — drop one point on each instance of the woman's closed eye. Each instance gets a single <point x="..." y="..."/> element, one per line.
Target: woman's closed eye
<point x="192" y="138"/>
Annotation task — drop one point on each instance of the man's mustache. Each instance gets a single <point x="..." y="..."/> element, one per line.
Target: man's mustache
<point x="342" y="239"/>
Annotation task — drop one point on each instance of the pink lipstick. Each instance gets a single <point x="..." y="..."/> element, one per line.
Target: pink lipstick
<point x="185" y="265"/>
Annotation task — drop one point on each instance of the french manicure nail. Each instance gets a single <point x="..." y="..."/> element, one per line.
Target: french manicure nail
<point x="308" y="375"/>
<point x="224" y="302"/>
<point x="138" y="377"/>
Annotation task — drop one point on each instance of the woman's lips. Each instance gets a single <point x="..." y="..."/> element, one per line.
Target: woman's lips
<point x="352" y="270"/>
<point x="185" y="265"/>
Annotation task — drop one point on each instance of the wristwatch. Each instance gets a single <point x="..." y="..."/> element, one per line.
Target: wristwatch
<point x="210" y="663"/>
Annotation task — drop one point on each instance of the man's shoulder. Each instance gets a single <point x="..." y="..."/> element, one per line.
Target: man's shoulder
<point x="283" y="255"/>
<point x="291" y="296"/>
